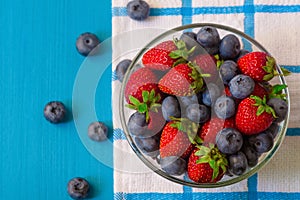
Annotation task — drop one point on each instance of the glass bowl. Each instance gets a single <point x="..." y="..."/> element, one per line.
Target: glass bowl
<point x="247" y="43"/>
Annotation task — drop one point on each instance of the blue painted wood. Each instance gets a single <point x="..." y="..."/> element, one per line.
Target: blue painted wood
<point x="38" y="63"/>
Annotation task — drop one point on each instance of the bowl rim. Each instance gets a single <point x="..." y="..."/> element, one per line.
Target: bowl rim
<point x="236" y="179"/>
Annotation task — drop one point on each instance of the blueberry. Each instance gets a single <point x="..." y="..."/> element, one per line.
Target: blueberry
<point x="251" y="155"/>
<point x="280" y="107"/>
<point x="55" y="112"/>
<point x="78" y="188"/>
<point x="224" y="107"/>
<point x="138" y="10"/>
<point x="237" y="163"/>
<point x="241" y="86"/>
<point x="97" y="131"/>
<point x="229" y="140"/>
<point x="185" y="101"/>
<point x="198" y="113"/>
<point x="210" y="94"/>
<point x="273" y="129"/>
<point x="170" y="108"/>
<point x="121" y="68"/>
<point x="149" y="145"/>
<point x="229" y="47"/>
<point x="173" y="165"/>
<point x="137" y="124"/>
<point x="86" y="42"/>
<point x="228" y="70"/>
<point x="262" y="142"/>
<point x="241" y="54"/>
<point x="209" y="38"/>
<point x="190" y="40"/>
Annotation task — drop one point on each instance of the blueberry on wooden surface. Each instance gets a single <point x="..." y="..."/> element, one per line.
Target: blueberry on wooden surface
<point x="97" y="131"/>
<point x="86" y="42"/>
<point x="55" y="112"/>
<point x="78" y="188"/>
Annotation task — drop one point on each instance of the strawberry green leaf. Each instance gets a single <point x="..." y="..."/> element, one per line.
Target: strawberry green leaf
<point x="134" y="100"/>
<point x="142" y="108"/>
<point x="268" y="77"/>
<point x="285" y="71"/>
<point x="145" y="95"/>
<point x="203" y="159"/>
<point x="260" y="110"/>
<point x="276" y="89"/>
<point x="215" y="168"/>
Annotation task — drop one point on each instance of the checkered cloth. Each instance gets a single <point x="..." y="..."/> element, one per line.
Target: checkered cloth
<point x="275" y="24"/>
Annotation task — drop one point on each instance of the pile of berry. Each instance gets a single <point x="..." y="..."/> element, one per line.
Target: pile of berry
<point x="204" y="106"/>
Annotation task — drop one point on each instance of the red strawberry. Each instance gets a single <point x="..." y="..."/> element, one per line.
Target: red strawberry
<point x="158" y="57"/>
<point x="182" y="80"/>
<point x="208" y="65"/>
<point x="206" y="164"/>
<point x="254" y="115"/>
<point x="176" y="138"/>
<point x="259" y="90"/>
<point x="142" y="92"/>
<point x="258" y="65"/>
<point x="210" y="129"/>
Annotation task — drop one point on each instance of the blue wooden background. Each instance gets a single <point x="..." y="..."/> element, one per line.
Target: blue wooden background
<point x="38" y="63"/>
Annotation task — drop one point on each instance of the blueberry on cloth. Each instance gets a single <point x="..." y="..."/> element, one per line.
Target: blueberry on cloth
<point x="229" y="140"/>
<point x="170" y="108"/>
<point x="97" y="131"/>
<point x="229" y="47"/>
<point x="148" y="145"/>
<point x="228" y="70"/>
<point x="78" y="188"/>
<point x="138" y="9"/>
<point x="237" y="163"/>
<point x="241" y="86"/>
<point x="86" y="42"/>
<point x="121" y="68"/>
<point x="280" y="107"/>
<point x="198" y="113"/>
<point x="210" y="94"/>
<point x="224" y="107"/>
<point x="262" y="142"/>
<point x="55" y="112"/>
<point x="173" y="165"/>
<point x="209" y="38"/>
<point x="137" y="124"/>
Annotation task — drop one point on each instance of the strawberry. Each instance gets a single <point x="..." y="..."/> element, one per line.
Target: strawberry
<point x="259" y="66"/>
<point x="176" y="138"/>
<point x="142" y="92"/>
<point x="210" y="129"/>
<point x="182" y="80"/>
<point x="208" y="65"/>
<point x="254" y="115"/>
<point x="158" y="57"/>
<point x="166" y="55"/>
<point x="206" y="164"/>
<point x="259" y="90"/>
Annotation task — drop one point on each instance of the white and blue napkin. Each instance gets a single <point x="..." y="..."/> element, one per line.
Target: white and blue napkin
<point x="275" y="24"/>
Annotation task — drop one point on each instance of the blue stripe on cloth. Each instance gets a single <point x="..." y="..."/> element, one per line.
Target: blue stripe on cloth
<point x="180" y="196"/>
<point x="293" y="69"/>
<point x="252" y="187"/>
<point x="293" y="132"/>
<point x="187" y="191"/>
<point x="118" y="134"/>
<point x="278" y="195"/>
<point x="186" y="12"/>
<point x="249" y="23"/>
<point x="277" y="8"/>
<point x="121" y="11"/>
<point x="114" y="76"/>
